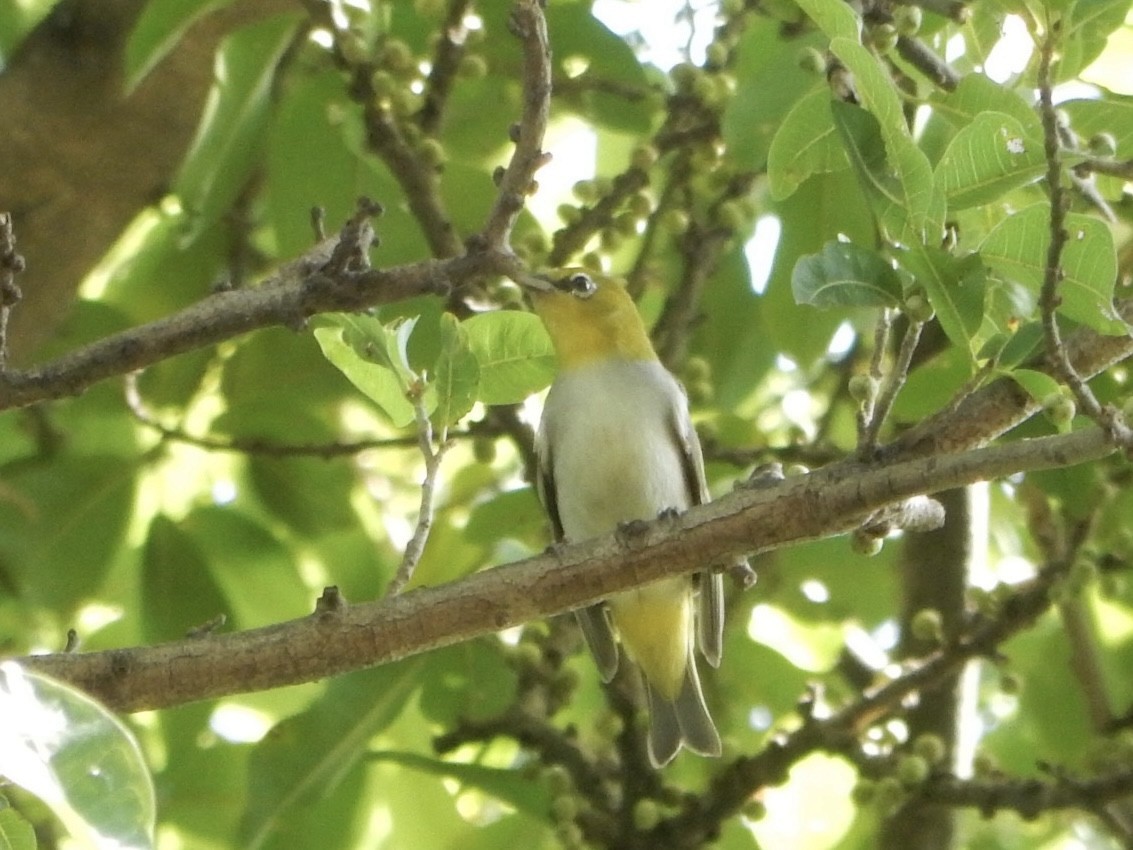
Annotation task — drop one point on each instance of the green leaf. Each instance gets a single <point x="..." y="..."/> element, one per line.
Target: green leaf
<point x="807" y="143"/>
<point x="77" y="757"/>
<point x="988" y="158"/>
<point x="579" y="40"/>
<point x="254" y="570"/>
<point x="1085" y="34"/>
<point x="919" y="212"/>
<point x="514" y="514"/>
<point x="1022" y="344"/>
<point x="865" y="147"/>
<point x="1109" y="115"/>
<point x="156" y="32"/>
<point x="314" y="158"/>
<point x="16" y="833"/>
<point x="514" y="352"/>
<point x="228" y="140"/>
<point x="733" y="333"/>
<point x="313" y="757"/>
<point x="845" y="275"/>
<point x="1038" y="385"/>
<point x="470" y="680"/>
<point x="511" y="786"/>
<point x="956" y="289"/>
<point x="62" y="523"/>
<point x="1017" y="250"/>
<point x="178" y="590"/>
<point x="311" y="495"/>
<point x="824" y="208"/>
<point x="252" y="375"/>
<point x="456" y="373"/>
<point x="933" y="384"/>
<point x="976" y="94"/>
<point x="366" y="353"/>
<point x="833" y="17"/>
<point x="575" y="32"/>
<point x="766" y="63"/>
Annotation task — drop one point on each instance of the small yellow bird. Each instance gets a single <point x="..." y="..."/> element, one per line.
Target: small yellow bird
<point x="616" y="444"/>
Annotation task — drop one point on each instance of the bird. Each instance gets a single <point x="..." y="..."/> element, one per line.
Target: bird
<point x="616" y="444"/>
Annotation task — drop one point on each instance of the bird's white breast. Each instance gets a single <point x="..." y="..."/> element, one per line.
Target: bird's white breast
<point x="609" y="430"/>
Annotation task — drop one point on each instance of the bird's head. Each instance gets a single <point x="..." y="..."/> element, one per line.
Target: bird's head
<point x="589" y="316"/>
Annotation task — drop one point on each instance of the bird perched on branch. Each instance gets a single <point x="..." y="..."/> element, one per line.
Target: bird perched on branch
<point x="616" y="444"/>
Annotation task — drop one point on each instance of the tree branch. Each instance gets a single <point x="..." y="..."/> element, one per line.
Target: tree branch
<point x="317" y="282"/>
<point x="528" y="25"/>
<point x="825" y="502"/>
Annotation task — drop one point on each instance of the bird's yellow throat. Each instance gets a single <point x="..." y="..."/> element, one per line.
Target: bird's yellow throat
<point x="603" y="326"/>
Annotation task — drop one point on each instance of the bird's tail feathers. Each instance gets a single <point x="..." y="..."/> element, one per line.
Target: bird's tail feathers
<point x="599" y="634"/>
<point x="683" y="721"/>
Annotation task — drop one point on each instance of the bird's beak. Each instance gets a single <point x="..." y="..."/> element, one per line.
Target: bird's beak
<point x="533" y="281"/>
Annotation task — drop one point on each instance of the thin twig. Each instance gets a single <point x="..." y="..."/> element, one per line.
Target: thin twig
<point x="11" y="264"/>
<point x="1085" y="662"/>
<point x="1049" y="298"/>
<point x="1113" y="168"/>
<point x="446" y="62"/>
<point x="731" y="788"/>
<point x="517" y="181"/>
<point x="257" y="445"/>
<point x="890" y="387"/>
<point x="876" y="372"/>
<point x="419" y="181"/>
<point x="924" y="59"/>
<point x="415" y="548"/>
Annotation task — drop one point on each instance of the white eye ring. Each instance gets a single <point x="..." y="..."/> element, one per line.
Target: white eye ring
<point x="581" y="285"/>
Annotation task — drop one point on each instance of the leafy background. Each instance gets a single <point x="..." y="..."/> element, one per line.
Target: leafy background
<point x="811" y="214"/>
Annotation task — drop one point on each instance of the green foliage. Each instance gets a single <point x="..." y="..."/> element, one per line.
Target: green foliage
<point x="289" y="459"/>
<point x="78" y="758"/>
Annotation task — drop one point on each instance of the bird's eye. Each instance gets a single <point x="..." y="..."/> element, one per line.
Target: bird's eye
<point x="581" y="285"/>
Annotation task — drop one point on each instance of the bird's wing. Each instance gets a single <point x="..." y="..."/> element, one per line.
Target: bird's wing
<point x="710" y="608"/>
<point x="593" y="620"/>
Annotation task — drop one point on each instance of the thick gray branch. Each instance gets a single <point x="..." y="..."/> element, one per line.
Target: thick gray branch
<point x="825" y="502"/>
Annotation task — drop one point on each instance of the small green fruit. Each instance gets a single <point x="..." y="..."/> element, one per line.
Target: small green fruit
<point x="643" y="157"/>
<point x="927" y="625"/>
<point x="890" y="793"/>
<point x="675" y="222"/>
<point x="866" y="544"/>
<point x="754" y="810"/>
<point x="918" y="307"/>
<point x="864" y="792"/>
<point x="863" y="388"/>
<point x="912" y="770"/>
<point x="564" y="807"/>
<point x="731" y="215"/>
<point x="352" y="48"/>
<point x="697" y="368"/>
<point x="473" y="67"/>
<point x="646" y="815"/>
<point x="883" y="37"/>
<point x="484" y="449"/>
<point x="908" y="19"/>
<point x="716" y="55"/>
<point x="1103" y="145"/>
<point x="397" y="56"/>
<point x="930" y="747"/>
<point x="812" y="60"/>
<point x="432" y="153"/>
<point x="569" y="214"/>
<point x="1059" y="409"/>
<point x="558" y="779"/>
